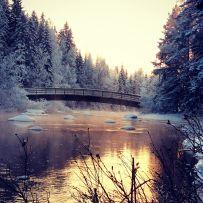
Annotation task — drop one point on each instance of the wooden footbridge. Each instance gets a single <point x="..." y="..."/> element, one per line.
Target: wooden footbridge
<point x="88" y="95"/>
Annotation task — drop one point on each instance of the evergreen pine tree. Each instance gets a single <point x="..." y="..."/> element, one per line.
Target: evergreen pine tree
<point x="17" y="43"/>
<point x="101" y="76"/>
<point x="80" y="72"/>
<point x="68" y="61"/>
<point x="122" y="80"/>
<point x="88" y="70"/>
<point x="180" y="59"/>
<point x="44" y="43"/>
<point x="4" y="27"/>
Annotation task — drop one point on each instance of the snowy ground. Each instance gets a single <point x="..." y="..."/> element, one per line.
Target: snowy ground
<point x="162" y="117"/>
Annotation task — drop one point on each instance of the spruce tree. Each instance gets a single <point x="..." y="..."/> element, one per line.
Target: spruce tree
<point x="68" y="60"/>
<point x="80" y="71"/>
<point x="180" y="60"/>
<point x="4" y="27"/>
<point x="44" y="43"/>
<point x="17" y="43"/>
<point x="101" y="76"/>
<point x="122" y="80"/>
<point x="169" y="87"/>
<point x="88" y="70"/>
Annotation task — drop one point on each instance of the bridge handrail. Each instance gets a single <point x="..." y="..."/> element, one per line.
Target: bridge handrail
<point x="56" y="89"/>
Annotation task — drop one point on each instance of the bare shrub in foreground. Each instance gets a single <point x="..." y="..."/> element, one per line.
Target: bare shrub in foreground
<point x="101" y="184"/>
<point x="177" y="181"/>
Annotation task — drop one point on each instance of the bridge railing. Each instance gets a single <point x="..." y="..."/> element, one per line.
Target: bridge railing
<point x="82" y="92"/>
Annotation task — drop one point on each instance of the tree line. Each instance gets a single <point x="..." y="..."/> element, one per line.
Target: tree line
<point x="34" y="54"/>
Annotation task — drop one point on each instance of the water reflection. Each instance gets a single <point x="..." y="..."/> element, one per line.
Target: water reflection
<point x="53" y="156"/>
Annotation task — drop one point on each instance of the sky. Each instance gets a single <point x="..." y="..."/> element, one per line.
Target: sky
<point x="124" y="32"/>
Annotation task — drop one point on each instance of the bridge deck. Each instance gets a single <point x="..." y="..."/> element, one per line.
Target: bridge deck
<point x="90" y="95"/>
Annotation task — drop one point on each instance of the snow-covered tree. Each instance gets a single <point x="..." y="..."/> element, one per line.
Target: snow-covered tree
<point x="56" y="57"/>
<point x="180" y="60"/>
<point x="148" y="91"/>
<point x="80" y="71"/>
<point x="122" y="80"/>
<point x="4" y="26"/>
<point x="31" y="38"/>
<point x="68" y="61"/>
<point x="17" y="40"/>
<point x="45" y="46"/>
<point x="114" y="75"/>
<point x="193" y="9"/>
<point x="134" y="82"/>
<point x="88" y="71"/>
<point x="101" y="76"/>
<point x="12" y="96"/>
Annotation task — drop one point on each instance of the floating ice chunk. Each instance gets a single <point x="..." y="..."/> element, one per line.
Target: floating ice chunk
<point x="22" y="118"/>
<point x="59" y="111"/>
<point x="87" y="113"/>
<point x="199" y="168"/>
<point x="38" y="111"/>
<point x="36" y="128"/>
<point x="69" y="117"/>
<point x="131" y="117"/>
<point x="128" y="127"/>
<point x="110" y="121"/>
<point x="35" y="112"/>
<point x="162" y="117"/>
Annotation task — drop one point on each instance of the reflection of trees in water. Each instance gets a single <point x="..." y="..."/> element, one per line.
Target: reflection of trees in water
<point x="176" y="181"/>
<point x="6" y="195"/>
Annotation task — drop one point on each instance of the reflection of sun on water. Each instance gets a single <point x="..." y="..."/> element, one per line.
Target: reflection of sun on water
<point x="74" y="177"/>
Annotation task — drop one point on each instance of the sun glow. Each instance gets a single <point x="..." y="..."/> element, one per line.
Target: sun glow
<point x="124" y="32"/>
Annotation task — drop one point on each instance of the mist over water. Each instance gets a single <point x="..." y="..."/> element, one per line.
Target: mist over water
<point x="53" y="149"/>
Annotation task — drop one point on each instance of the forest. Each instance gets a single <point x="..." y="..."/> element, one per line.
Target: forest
<point x="34" y="54"/>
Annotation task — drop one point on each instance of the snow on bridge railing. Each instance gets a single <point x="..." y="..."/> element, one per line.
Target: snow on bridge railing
<point x="82" y="92"/>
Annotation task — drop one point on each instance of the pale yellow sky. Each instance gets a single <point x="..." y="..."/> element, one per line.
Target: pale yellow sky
<point x="124" y="32"/>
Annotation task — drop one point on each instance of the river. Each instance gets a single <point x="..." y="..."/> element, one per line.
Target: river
<point x="53" y="157"/>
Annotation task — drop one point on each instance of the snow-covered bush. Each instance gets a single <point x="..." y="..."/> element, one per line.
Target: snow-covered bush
<point x="148" y="91"/>
<point x="37" y="104"/>
<point x="193" y="136"/>
<point x="13" y="99"/>
<point x="56" y="106"/>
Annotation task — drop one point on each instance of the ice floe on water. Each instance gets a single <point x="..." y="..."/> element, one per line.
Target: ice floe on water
<point x="69" y="117"/>
<point x="36" y="128"/>
<point x="35" y="112"/>
<point x="128" y="128"/>
<point x="130" y="117"/>
<point x="58" y="111"/>
<point x="109" y="121"/>
<point x="162" y="117"/>
<point x="22" y="118"/>
<point x="87" y="113"/>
